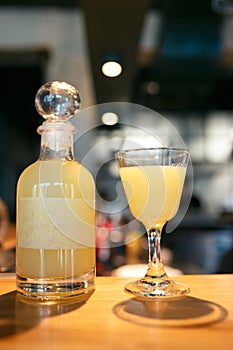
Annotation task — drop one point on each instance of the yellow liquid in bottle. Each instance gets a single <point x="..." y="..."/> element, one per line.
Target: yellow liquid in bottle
<point x="153" y="191"/>
<point x="55" y="223"/>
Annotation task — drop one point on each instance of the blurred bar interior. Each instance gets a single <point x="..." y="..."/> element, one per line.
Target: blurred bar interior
<point x="177" y="59"/>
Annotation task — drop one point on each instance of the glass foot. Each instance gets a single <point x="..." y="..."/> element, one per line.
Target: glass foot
<point x="157" y="288"/>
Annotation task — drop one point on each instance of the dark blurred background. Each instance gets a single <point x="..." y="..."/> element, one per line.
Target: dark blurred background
<point x="177" y="59"/>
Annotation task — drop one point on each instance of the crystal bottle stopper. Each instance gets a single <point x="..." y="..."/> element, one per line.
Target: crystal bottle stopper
<point x="57" y="101"/>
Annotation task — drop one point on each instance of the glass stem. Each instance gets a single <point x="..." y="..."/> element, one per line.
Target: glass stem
<point x="155" y="267"/>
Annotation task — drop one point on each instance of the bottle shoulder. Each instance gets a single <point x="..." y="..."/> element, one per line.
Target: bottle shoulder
<point x="30" y="168"/>
<point x="56" y="173"/>
<point x="54" y="165"/>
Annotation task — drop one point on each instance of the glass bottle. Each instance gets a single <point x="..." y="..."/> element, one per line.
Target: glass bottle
<point x="55" y="249"/>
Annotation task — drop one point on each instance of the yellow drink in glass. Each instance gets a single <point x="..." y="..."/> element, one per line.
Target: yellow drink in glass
<point x="153" y="180"/>
<point x="153" y="191"/>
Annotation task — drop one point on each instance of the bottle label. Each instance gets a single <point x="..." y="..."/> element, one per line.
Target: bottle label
<point x="55" y="223"/>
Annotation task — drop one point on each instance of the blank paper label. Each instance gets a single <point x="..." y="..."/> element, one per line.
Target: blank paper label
<point x="55" y="223"/>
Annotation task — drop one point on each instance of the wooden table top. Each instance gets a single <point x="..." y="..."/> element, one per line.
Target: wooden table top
<point x="112" y="319"/>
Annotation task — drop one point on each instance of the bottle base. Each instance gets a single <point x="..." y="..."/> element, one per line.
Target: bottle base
<point x="55" y="289"/>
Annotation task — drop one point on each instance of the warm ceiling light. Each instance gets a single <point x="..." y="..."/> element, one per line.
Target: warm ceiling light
<point x="111" y="69"/>
<point x="109" y="118"/>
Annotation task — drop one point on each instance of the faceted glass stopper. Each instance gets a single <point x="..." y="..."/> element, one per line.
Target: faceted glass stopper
<point x="57" y="101"/>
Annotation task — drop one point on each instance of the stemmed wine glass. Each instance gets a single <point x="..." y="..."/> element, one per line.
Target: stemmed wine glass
<point x="153" y="181"/>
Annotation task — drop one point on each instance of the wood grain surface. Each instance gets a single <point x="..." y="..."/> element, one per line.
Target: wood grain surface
<point x="112" y="319"/>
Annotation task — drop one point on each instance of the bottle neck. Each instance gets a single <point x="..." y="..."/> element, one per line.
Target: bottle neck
<point x="56" y="142"/>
